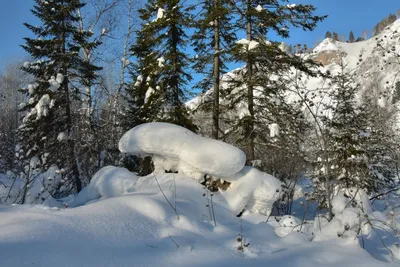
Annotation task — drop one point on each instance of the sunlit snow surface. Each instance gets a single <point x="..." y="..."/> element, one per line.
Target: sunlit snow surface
<point x="140" y="229"/>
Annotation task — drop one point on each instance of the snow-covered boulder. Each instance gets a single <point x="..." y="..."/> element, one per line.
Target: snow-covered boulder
<point x="253" y="189"/>
<point x="108" y="182"/>
<point x="176" y="148"/>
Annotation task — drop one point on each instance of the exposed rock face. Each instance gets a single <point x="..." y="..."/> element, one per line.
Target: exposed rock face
<point x="329" y="57"/>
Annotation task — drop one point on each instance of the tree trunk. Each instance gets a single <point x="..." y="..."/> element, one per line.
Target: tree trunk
<point x="174" y="80"/>
<point x="215" y="115"/>
<point x="249" y="123"/>
<point x="71" y="142"/>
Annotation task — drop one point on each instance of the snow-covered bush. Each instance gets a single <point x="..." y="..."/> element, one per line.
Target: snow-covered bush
<point x="252" y="189"/>
<point x="355" y="222"/>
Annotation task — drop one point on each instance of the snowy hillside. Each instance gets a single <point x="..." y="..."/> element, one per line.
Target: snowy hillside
<point x="368" y="57"/>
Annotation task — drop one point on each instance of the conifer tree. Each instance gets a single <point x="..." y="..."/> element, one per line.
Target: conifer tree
<point x="263" y="59"/>
<point x="47" y="132"/>
<point x="328" y="34"/>
<point x="341" y="157"/>
<point x="212" y="40"/>
<point x="355" y="153"/>
<point x="345" y="125"/>
<point x="335" y="36"/>
<point x="161" y="74"/>
<point x="144" y="96"/>
<point x="351" y="37"/>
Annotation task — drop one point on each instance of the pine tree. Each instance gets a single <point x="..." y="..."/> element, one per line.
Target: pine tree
<point x="212" y="40"/>
<point x="47" y="133"/>
<point x="328" y="34"/>
<point x="263" y="59"/>
<point x="161" y="74"/>
<point x="351" y="37"/>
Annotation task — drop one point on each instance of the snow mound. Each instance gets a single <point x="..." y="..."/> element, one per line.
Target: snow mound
<point x="108" y="182"/>
<point x="326" y="45"/>
<point x="252" y="189"/>
<point x="176" y="148"/>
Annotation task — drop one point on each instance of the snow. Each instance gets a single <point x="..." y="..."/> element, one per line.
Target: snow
<point x="164" y="219"/>
<point x="161" y="62"/>
<point x="160" y="14"/>
<point x="140" y="228"/>
<point x="60" y="78"/>
<point x="339" y="203"/>
<point x="42" y="107"/>
<point x="31" y="88"/>
<point x="55" y="83"/>
<point x="243" y="41"/>
<point x="149" y="92"/>
<point x="61" y="137"/>
<point x="259" y="8"/>
<point x="253" y="190"/>
<point x="252" y="45"/>
<point x="108" y="182"/>
<point x="326" y="45"/>
<point x="177" y="147"/>
<point x="122" y="180"/>
<point x="273" y="130"/>
<point x="21" y="106"/>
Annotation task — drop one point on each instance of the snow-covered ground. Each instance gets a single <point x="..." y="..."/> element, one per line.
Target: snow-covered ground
<point x="139" y="228"/>
<point x="167" y="219"/>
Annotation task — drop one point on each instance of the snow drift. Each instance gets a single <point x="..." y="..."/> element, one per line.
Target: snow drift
<point x="108" y="182"/>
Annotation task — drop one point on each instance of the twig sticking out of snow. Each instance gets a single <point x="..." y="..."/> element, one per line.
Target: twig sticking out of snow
<point x="159" y="186"/>
<point x="240" y="237"/>
<point x="177" y="246"/>
<point x="209" y="194"/>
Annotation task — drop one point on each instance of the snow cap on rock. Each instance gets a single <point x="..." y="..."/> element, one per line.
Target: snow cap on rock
<point x="195" y="155"/>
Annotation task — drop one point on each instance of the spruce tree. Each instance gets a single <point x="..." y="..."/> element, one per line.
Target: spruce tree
<point x="143" y="96"/>
<point x="47" y="132"/>
<point x="354" y="151"/>
<point x="351" y="37"/>
<point x="264" y="59"/>
<point x="161" y="71"/>
<point x="345" y="125"/>
<point x="212" y="40"/>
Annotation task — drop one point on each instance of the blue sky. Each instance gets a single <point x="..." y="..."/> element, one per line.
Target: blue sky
<point x="12" y="14"/>
<point x="344" y="15"/>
